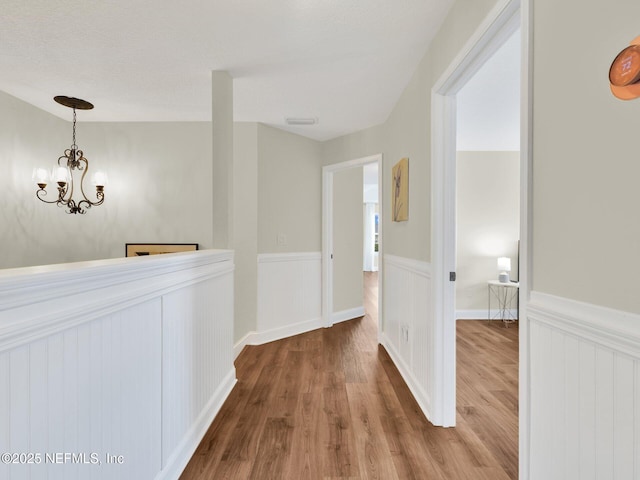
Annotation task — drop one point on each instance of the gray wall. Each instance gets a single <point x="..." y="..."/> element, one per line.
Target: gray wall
<point x="159" y="186"/>
<point x="289" y="192"/>
<point x="276" y="191"/>
<point x="348" y="228"/>
<point x="586" y="163"/>
<point x="245" y="227"/>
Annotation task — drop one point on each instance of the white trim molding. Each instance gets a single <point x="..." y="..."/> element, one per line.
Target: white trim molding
<point x="37" y="302"/>
<point x="289" y="297"/>
<point x="504" y="19"/>
<point x="327" y="233"/>
<point x="416" y="387"/>
<point x="349" y="314"/>
<point x="418" y="267"/>
<point x="248" y="339"/>
<point x="614" y="329"/>
<point x="260" y="338"/>
<point x="408" y="324"/>
<point x="131" y="356"/>
<point x="584" y="370"/>
<point x="179" y="459"/>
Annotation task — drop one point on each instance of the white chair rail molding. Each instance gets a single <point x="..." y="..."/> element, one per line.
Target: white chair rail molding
<point x="113" y="368"/>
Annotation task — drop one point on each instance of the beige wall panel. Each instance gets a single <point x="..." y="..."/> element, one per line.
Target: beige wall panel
<point x="289" y="192"/>
<point x="488" y="222"/>
<point x="348" y="235"/>
<point x="245" y="227"/>
<point x="586" y="231"/>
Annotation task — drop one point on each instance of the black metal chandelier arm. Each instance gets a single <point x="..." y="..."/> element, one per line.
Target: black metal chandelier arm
<point x="88" y="203"/>
<point x="79" y="209"/>
<point x="43" y="193"/>
<point x="99" y="193"/>
<point x="73" y="208"/>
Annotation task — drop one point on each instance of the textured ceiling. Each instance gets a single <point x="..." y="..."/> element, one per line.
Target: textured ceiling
<point x="343" y="62"/>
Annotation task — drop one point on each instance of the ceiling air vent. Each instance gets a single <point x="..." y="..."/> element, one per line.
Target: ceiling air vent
<point x="301" y="121"/>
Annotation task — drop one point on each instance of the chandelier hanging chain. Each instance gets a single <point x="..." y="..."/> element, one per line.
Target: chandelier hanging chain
<point x="73" y="144"/>
<point x="72" y="160"/>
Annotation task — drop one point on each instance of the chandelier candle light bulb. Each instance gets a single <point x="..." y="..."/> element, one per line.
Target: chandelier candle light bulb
<point x="60" y="175"/>
<point x="41" y="177"/>
<point x="99" y="180"/>
<point x="72" y="161"/>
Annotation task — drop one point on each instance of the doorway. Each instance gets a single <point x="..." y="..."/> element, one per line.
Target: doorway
<point x="333" y="248"/>
<point x="488" y="186"/>
<point x="506" y="17"/>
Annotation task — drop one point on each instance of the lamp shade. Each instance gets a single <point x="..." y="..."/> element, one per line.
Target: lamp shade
<point x="504" y="264"/>
<point x="60" y="175"/>
<point x="100" y="179"/>
<point x="40" y="175"/>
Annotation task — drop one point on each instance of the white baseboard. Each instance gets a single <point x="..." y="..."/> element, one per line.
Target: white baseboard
<point x="183" y="453"/>
<point x="414" y="385"/>
<point x="259" y="338"/>
<point x="344" y="315"/>
<point x="408" y="325"/>
<point x="482" y="314"/>
<point x="243" y="342"/>
<point x="289" y="296"/>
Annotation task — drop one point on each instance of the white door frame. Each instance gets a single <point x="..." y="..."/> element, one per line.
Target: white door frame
<point x="327" y="233"/>
<point x="502" y="21"/>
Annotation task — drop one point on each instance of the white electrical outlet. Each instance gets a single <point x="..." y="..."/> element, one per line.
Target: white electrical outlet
<point x="405" y="333"/>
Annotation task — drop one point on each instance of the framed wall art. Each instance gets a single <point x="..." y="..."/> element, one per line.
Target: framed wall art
<point x="144" y="249"/>
<point x="400" y="191"/>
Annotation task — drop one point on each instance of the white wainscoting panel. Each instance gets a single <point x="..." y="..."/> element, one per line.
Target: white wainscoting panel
<point x="131" y="358"/>
<point x="289" y="296"/>
<point x="196" y="341"/>
<point x="585" y="390"/>
<point x="407" y="323"/>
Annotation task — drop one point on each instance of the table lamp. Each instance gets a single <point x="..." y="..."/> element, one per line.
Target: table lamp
<point x="504" y="267"/>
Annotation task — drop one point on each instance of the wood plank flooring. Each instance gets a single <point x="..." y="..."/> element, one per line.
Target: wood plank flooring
<point x="330" y="404"/>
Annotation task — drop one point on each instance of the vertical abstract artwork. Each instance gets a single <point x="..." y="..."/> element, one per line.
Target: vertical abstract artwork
<point x="400" y="191"/>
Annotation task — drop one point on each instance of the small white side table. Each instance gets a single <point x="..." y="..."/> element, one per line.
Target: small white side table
<point x="506" y="294"/>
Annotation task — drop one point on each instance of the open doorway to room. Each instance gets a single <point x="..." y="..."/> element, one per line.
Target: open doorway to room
<point x="371" y="238"/>
<point x="487" y="226"/>
<point x="504" y="19"/>
<point x="352" y="240"/>
<point x="488" y="185"/>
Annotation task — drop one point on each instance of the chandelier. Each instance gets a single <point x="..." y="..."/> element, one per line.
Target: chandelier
<point x="72" y="162"/>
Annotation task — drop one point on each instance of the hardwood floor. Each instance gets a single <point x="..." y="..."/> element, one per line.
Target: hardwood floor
<point x="330" y="404"/>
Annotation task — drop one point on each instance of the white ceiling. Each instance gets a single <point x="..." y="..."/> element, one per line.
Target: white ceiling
<point x="344" y="62"/>
<point x="489" y="104"/>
